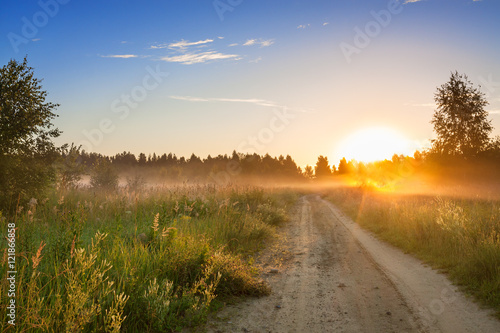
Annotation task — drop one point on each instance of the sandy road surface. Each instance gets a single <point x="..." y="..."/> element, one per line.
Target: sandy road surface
<point x="339" y="278"/>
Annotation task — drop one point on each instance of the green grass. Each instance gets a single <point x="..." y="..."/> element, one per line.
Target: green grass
<point x="458" y="236"/>
<point x="158" y="260"/>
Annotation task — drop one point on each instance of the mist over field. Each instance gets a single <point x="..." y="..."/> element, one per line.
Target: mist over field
<point x="250" y="166"/>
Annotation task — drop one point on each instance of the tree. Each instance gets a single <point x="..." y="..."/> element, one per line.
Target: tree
<point x="493" y="151"/>
<point x="344" y="167"/>
<point x="104" y="177"/>
<point x="69" y="166"/>
<point x="308" y="172"/>
<point x="142" y="159"/>
<point x="460" y="120"/>
<point x="322" y="168"/>
<point x="27" y="152"/>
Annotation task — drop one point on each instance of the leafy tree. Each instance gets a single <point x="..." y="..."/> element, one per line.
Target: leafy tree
<point x="322" y="168"/>
<point x="460" y="120"/>
<point x="69" y="166"/>
<point x="104" y="176"/>
<point x="343" y="166"/>
<point x="288" y="167"/>
<point x="142" y="159"/>
<point x="26" y="149"/>
<point x="308" y="172"/>
<point x="493" y="151"/>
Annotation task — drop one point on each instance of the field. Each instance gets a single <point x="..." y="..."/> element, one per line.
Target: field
<point x="163" y="258"/>
<point x="459" y="236"/>
<point x="157" y="259"/>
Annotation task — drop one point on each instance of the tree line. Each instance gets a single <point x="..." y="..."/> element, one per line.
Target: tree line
<point x="30" y="162"/>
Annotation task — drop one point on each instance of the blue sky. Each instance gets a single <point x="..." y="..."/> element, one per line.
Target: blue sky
<point x="284" y="77"/>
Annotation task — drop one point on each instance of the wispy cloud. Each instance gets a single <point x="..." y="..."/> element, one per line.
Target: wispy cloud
<point x="158" y="46"/>
<point x="261" y="42"/>
<point x="181" y="45"/>
<point x="250" y="42"/>
<point x="493" y="111"/>
<point x="254" y="101"/>
<point x="326" y="23"/>
<point x="234" y="44"/>
<point x="190" y="98"/>
<point x="35" y="39"/>
<point x="256" y="60"/>
<point x="123" y="56"/>
<point x="260" y="102"/>
<point x="303" y="26"/>
<point x="197" y="58"/>
<point x="266" y="43"/>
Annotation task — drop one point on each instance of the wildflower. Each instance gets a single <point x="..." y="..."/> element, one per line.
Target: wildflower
<point x="33" y="202"/>
<point x="170" y="232"/>
<point x="61" y="201"/>
<point x="156" y="223"/>
<point x="38" y="257"/>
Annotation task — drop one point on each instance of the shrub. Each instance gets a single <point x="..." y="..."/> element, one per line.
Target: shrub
<point x="104" y="176"/>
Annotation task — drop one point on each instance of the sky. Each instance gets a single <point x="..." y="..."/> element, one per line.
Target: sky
<point x="294" y="77"/>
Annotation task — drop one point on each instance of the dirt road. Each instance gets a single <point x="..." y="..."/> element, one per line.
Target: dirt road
<point x="339" y="278"/>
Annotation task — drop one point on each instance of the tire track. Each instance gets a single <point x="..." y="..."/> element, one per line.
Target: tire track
<point x="342" y="279"/>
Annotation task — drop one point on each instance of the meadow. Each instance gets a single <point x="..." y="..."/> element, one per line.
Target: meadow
<point x="458" y="234"/>
<point x="150" y="260"/>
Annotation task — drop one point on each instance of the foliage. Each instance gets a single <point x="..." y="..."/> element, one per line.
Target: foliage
<point x="93" y="272"/>
<point x="460" y="120"/>
<point x="221" y="169"/>
<point x="322" y="168"/>
<point x="136" y="183"/>
<point x="26" y="149"/>
<point x="69" y="167"/>
<point x="345" y="167"/>
<point x="308" y="172"/>
<point x="104" y="177"/>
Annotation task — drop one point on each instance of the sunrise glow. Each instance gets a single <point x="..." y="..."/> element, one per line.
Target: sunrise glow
<point x="373" y="144"/>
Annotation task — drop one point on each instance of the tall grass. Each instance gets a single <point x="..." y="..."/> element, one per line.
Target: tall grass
<point x="458" y="236"/>
<point x="148" y="261"/>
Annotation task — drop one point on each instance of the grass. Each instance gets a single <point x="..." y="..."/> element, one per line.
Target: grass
<point x="157" y="260"/>
<point x="459" y="236"/>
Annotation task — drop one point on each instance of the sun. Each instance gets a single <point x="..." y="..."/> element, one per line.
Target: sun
<point x="374" y="144"/>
